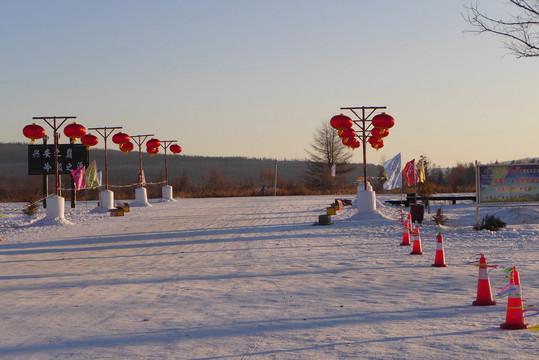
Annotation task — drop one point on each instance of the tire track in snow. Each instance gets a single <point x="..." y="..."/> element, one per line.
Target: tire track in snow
<point x="284" y="297"/>
<point x="271" y="323"/>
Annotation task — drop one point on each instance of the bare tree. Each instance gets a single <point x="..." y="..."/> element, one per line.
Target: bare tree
<point x="327" y="150"/>
<point x="267" y="179"/>
<point x="462" y="177"/>
<point x="520" y="30"/>
<point x="427" y="187"/>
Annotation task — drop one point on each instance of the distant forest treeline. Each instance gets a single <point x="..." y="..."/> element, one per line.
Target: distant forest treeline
<point x="201" y="176"/>
<point x="189" y="175"/>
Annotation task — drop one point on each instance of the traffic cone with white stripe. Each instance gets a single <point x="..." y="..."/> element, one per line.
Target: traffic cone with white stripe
<point x="406" y="235"/>
<point x="484" y="293"/>
<point x="514" y="318"/>
<point x="439" y="259"/>
<point x="416" y="250"/>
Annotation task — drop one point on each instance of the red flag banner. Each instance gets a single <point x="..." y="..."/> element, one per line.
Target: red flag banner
<point x="410" y="173"/>
<point x="78" y="178"/>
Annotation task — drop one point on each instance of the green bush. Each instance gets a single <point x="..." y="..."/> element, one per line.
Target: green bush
<point x="439" y="218"/>
<point x="31" y="209"/>
<point x="491" y="223"/>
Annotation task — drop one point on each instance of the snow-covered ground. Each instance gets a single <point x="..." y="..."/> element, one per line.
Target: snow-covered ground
<point x="254" y="278"/>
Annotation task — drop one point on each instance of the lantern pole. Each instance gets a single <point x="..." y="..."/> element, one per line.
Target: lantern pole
<point x="140" y="139"/>
<point x="45" y="183"/>
<point x="165" y="145"/>
<point x="107" y="131"/>
<point x="364" y="124"/>
<point x="51" y="121"/>
<point x="275" y="183"/>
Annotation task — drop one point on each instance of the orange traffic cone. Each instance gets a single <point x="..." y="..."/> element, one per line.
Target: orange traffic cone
<point x="406" y="235"/>
<point x="514" y="318"/>
<point x="484" y="294"/>
<point x="439" y="259"/>
<point x="416" y="250"/>
<point x="409" y="218"/>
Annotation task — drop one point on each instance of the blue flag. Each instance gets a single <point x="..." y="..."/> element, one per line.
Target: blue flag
<point x="394" y="174"/>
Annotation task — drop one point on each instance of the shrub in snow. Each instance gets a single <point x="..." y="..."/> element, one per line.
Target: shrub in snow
<point x="32" y="206"/>
<point x="491" y="223"/>
<point x="30" y="209"/>
<point x="439" y="218"/>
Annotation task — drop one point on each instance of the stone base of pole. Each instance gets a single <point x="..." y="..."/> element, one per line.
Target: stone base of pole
<point x="141" y="197"/>
<point x="167" y="193"/>
<point x="55" y="207"/>
<point x="106" y="200"/>
<point x="365" y="199"/>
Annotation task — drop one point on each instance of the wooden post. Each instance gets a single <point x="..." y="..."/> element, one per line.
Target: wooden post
<point x="140" y="140"/>
<point x="45" y="178"/>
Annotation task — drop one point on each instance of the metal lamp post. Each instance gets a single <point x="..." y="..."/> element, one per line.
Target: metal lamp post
<point x="105" y="132"/>
<point x="166" y="190"/>
<point x="165" y="144"/>
<point x="51" y="121"/>
<point x="140" y="139"/>
<point x="365" y="125"/>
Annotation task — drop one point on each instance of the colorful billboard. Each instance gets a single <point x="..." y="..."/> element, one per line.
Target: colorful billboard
<point x="508" y="183"/>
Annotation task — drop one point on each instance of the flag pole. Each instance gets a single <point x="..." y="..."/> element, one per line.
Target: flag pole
<point x="401" y="186"/>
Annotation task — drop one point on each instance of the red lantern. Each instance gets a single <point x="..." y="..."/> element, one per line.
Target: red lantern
<point x="352" y="143"/>
<point x="375" y="140"/>
<point x="379" y="132"/>
<point x="355" y="144"/>
<point x="127" y="147"/>
<point x="378" y="146"/>
<point x="383" y="121"/>
<point x="153" y="143"/>
<point x="74" y="131"/>
<point x="152" y="151"/>
<point x="120" y="138"/>
<point x="89" y="140"/>
<point x="347" y="134"/>
<point x="175" y="148"/>
<point x="376" y="143"/>
<point x="33" y="132"/>
<point x="341" y="122"/>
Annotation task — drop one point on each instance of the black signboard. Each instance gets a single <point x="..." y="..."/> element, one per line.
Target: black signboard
<point x="70" y="157"/>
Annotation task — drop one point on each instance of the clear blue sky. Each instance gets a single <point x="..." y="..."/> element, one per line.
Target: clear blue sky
<point x="256" y="78"/>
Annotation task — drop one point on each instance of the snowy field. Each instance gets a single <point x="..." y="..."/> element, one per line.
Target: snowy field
<point x="253" y="278"/>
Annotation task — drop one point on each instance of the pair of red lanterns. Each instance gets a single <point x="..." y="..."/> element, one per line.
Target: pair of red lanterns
<point x="381" y="123"/>
<point x="73" y="131"/>
<point x="123" y="141"/>
<point x="152" y="146"/>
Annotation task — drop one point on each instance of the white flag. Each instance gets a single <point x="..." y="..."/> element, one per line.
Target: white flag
<point x="394" y="174"/>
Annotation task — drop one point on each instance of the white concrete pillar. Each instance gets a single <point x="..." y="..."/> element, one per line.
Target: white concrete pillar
<point x="141" y="196"/>
<point x="106" y="200"/>
<point x="55" y="207"/>
<point x="366" y="199"/>
<point x="167" y="193"/>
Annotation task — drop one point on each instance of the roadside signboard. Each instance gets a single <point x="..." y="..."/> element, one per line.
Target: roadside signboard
<point x="518" y="183"/>
<point x="70" y="157"/>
